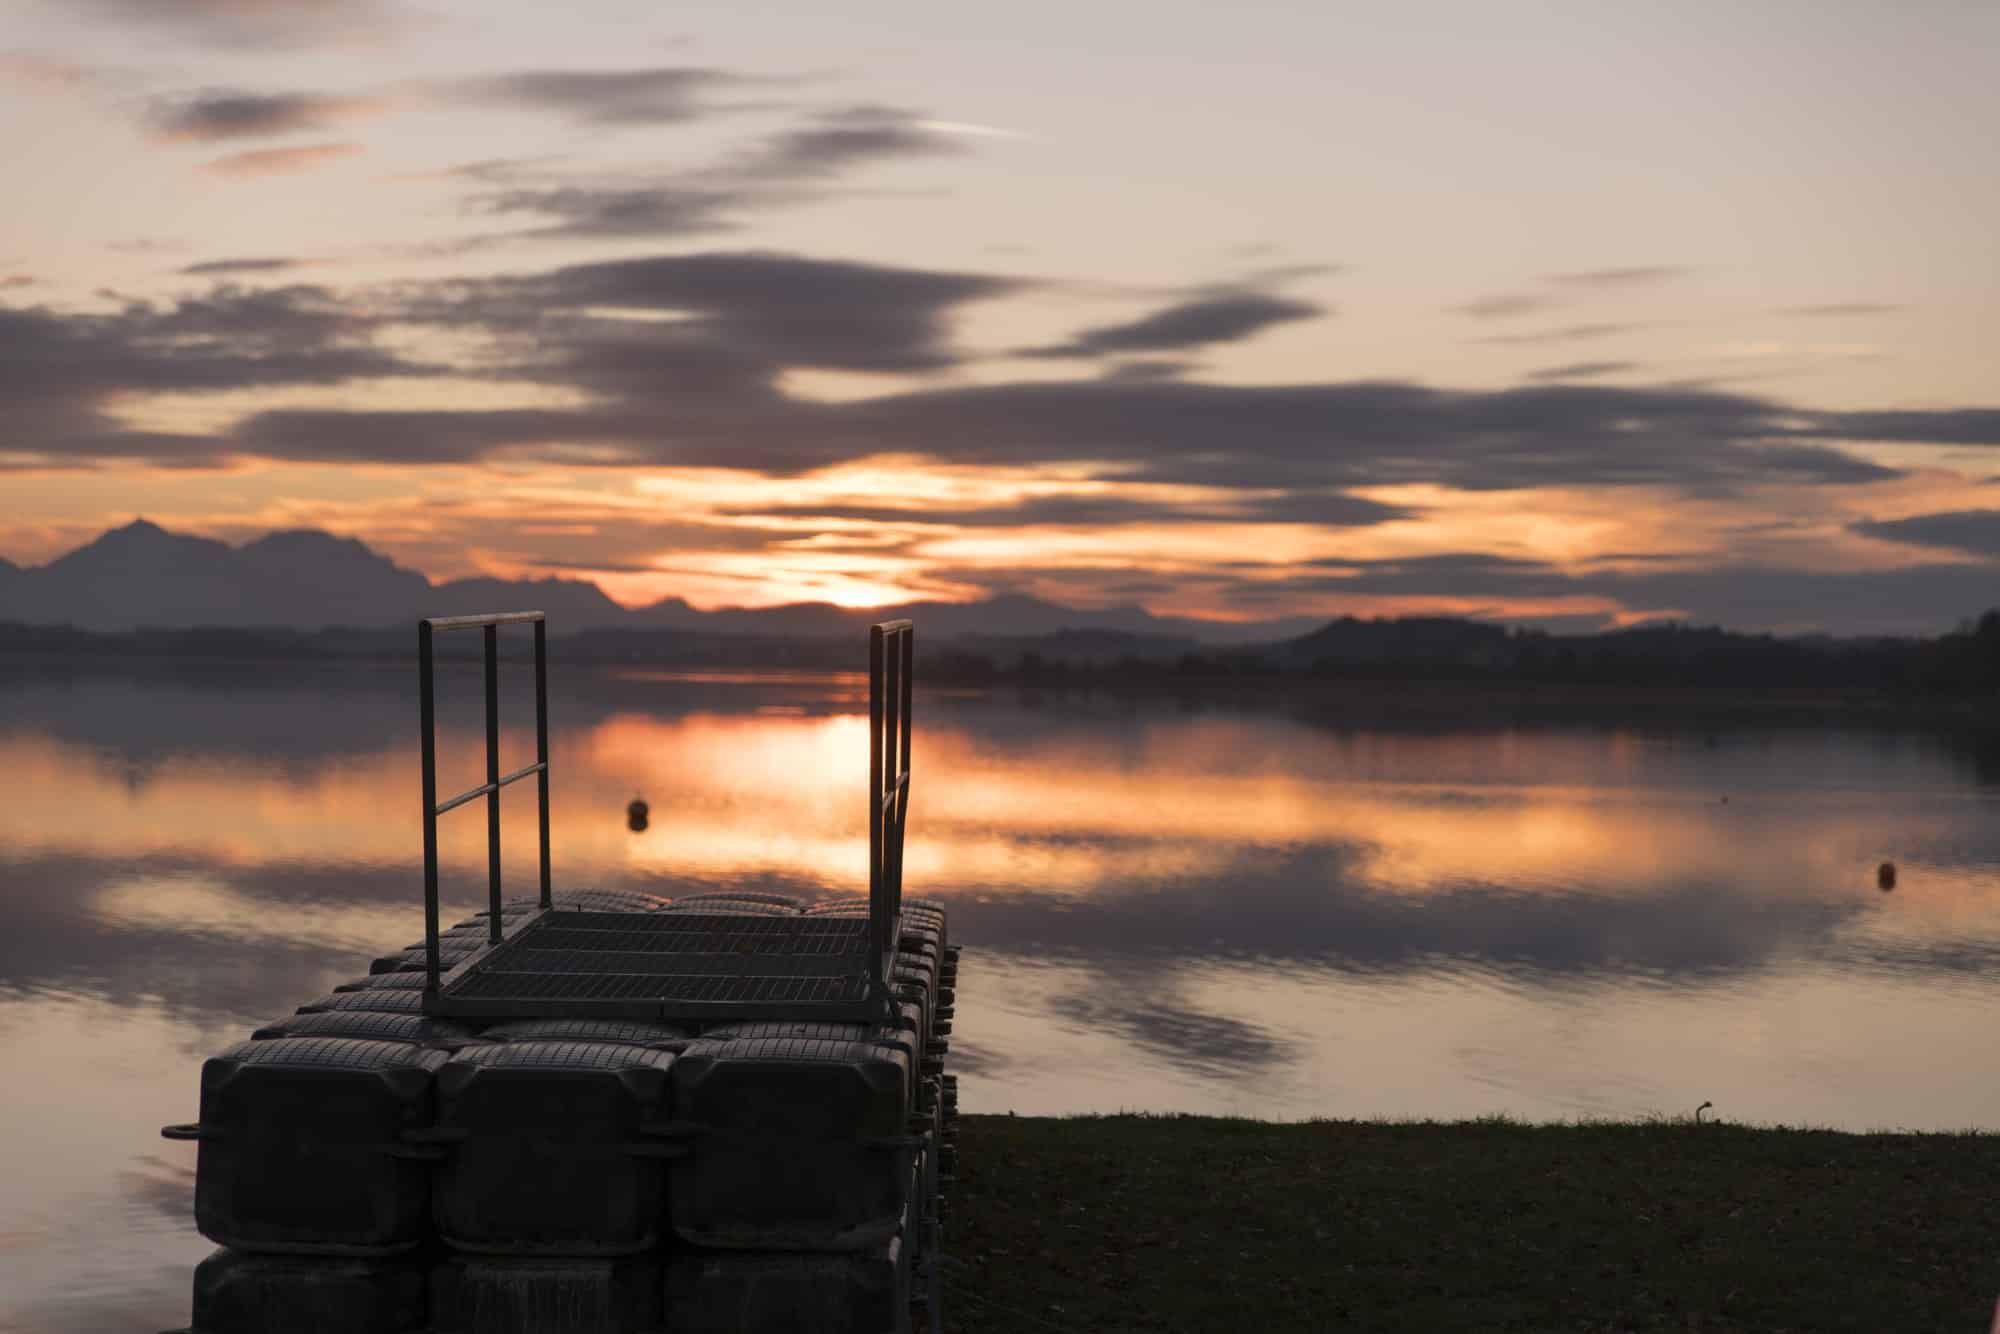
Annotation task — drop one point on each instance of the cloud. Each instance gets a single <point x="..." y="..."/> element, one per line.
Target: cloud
<point x="40" y="71"/>
<point x="1973" y="531"/>
<point x="1572" y="333"/>
<point x="1953" y="426"/>
<point x="61" y="374"/>
<point x="213" y="116"/>
<point x="1219" y="318"/>
<point x="836" y="141"/>
<point x="15" y="281"/>
<point x="220" y="267"/>
<point x="1503" y="306"/>
<point x="1583" y="370"/>
<point x="149" y="245"/>
<point x="1840" y="309"/>
<point x="680" y="360"/>
<point x="780" y="310"/>
<point x="668" y="95"/>
<point x="1636" y="276"/>
<point x="788" y="169"/>
<point x="257" y="24"/>
<point x="597" y="212"/>
<point x="1332" y="509"/>
<point x="279" y="161"/>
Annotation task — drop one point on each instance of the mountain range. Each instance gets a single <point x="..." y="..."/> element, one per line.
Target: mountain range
<point x="141" y="576"/>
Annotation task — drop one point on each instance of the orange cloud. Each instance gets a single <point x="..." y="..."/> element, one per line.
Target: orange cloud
<point x="279" y="161"/>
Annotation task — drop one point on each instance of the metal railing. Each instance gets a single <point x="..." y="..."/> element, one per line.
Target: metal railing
<point x="495" y="780"/>
<point x="891" y="646"/>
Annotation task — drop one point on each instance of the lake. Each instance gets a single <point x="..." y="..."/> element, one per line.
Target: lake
<point x="1166" y="906"/>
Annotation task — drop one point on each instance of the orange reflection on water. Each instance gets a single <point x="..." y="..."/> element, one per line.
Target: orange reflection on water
<point x="737" y="794"/>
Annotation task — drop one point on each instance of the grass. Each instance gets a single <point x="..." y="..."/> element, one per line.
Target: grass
<point x="1186" y="1223"/>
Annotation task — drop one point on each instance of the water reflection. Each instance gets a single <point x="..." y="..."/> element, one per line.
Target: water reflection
<point x="1209" y="910"/>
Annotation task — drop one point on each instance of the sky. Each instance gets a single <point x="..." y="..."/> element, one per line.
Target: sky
<point x="1565" y="314"/>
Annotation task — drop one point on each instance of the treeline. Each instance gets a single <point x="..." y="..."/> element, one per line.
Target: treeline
<point x="1413" y="649"/>
<point x="1439" y="649"/>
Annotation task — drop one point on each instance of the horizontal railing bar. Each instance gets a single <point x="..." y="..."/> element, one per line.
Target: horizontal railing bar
<point x="485" y="788"/>
<point x="476" y="622"/>
<point x="896" y="627"/>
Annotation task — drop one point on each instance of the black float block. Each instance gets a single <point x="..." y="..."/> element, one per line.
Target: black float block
<point x="399" y="981"/>
<point x="305" y="1145"/>
<point x="638" y="1032"/>
<point x="374" y="1026"/>
<point x="479" y="1294"/>
<point x="581" y="900"/>
<point x="548" y="1147"/>
<point x="237" y="1292"/>
<point x="923" y="929"/>
<point x="906" y="1033"/>
<point x="720" y="1292"/>
<point x="738" y="905"/>
<point x="803" y="1143"/>
<point x="452" y="949"/>
<point x="379" y="1000"/>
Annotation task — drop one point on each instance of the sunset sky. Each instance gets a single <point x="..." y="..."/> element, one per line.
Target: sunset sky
<point x="1573" y="314"/>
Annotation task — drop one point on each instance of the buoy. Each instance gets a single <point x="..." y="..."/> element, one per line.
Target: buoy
<point x="635" y="816"/>
<point x="1885" y="876"/>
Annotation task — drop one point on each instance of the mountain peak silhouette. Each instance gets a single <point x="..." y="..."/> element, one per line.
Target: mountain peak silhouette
<point x="140" y="575"/>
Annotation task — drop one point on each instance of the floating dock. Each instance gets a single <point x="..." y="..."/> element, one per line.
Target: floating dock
<point x="601" y="1112"/>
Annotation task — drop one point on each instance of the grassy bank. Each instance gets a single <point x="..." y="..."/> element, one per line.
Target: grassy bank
<point x="1130" y="1223"/>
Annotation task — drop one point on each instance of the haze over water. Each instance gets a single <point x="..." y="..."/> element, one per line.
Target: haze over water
<point x="1166" y="907"/>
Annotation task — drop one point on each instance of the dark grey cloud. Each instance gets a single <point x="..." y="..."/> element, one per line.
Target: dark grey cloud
<point x="836" y="141"/>
<point x="1224" y="317"/>
<point x="1840" y="309"/>
<point x="1363" y="433"/>
<point x="226" y="267"/>
<point x="1583" y="370"/>
<point x="1570" y="333"/>
<point x="661" y="95"/>
<point x="1950" y="426"/>
<point x="1329" y="509"/>
<point x="684" y="359"/>
<point x="611" y="212"/>
<point x="1974" y="531"/>
<point x="1634" y="276"/>
<point x="789" y="169"/>
<point x="1503" y="306"/>
<point x="216" y="115"/>
<point x="60" y="373"/>
<point x="777" y="309"/>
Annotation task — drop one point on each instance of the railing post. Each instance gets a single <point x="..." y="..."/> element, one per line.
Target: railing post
<point x="427" y="709"/>
<point x="903" y="774"/>
<point x="878" y="961"/>
<point x="542" y="748"/>
<point x="492" y="633"/>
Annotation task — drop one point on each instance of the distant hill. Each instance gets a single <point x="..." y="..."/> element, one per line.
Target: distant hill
<point x="142" y="576"/>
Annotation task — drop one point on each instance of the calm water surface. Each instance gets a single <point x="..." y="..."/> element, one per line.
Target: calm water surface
<point x="1165" y="908"/>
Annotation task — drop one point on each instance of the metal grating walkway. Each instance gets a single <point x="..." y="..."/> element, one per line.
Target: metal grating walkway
<point x="663" y="966"/>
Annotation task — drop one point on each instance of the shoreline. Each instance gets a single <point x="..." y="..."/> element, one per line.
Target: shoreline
<point x="1359" y="701"/>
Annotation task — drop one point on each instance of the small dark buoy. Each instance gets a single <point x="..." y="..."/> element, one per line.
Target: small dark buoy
<point x="635" y="815"/>
<point x="1885" y="876"/>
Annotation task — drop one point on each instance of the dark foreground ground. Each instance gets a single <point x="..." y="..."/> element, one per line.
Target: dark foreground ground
<point x="1130" y="1223"/>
